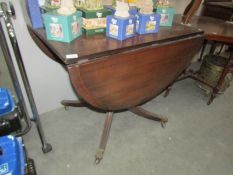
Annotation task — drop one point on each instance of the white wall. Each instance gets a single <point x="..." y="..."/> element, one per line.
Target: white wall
<point x="49" y="81"/>
<point x="180" y="5"/>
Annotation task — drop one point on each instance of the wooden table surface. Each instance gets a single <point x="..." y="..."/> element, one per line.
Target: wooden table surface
<point x="99" y="45"/>
<point x="212" y="27"/>
<point x="221" y="4"/>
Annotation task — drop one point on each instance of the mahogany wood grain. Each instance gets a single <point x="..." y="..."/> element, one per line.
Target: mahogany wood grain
<point x="113" y="75"/>
<point x="214" y="29"/>
<point x="99" y="45"/>
<point x="127" y="79"/>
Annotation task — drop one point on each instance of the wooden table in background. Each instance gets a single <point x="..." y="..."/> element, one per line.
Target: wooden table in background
<point x="215" y="31"/>
<point x="220" y="9"/>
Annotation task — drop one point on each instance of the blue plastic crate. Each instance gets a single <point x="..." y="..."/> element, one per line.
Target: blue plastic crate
<point x="7" y="104"/>
<point x="12" y="160"/>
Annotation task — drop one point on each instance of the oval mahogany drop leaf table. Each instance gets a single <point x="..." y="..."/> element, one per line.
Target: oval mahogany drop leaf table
<point x="112" y="76"/>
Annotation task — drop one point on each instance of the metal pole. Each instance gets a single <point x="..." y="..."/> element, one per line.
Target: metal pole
<point x="11" y="33"/>
<point x="10" y="65"/>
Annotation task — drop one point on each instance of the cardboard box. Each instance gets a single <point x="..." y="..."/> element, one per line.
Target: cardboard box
<point x="147" y="23"/>
<point x="91" y="32"/>
<point x="34" y="13"/>
<point x="167" y="14"/>
<point x="94" y="21"/>
<point x="120" y="28"/>
<point x="132" y="10"/>
<point x="64" y="28"/>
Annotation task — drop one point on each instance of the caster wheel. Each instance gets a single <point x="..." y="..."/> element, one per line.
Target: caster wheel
<point x="30" y="168"/>
<point x="166" y="94"/>
<point x="164" y="122"/>
<point x="99" y="156"/>
<point x="97" y="160"/>
<point x="66" y="108"/>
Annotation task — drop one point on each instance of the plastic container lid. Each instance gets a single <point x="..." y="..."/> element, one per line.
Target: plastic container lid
<point x="7" y="104"/>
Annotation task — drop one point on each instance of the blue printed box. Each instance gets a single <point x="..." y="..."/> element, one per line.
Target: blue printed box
<point x="147" y="23"/>
<point x="34" y="13"/>
<point x="167" y="14"/>
<point x="132" y="10"/>
<point x="64" y="28"/>
<point x="120" y="28"/>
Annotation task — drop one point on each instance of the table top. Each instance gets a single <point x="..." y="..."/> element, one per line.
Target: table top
<point x="221" y="4"/>
<point x="97" y="46"/>
<point x="214" y="28"/>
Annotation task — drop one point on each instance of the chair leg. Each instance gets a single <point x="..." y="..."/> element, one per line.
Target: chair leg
<point x="226" y="70"/>
<point x="104" y="138"/>
<point x="213" y="47"/>
<point x="149" y="115"/>
<point x="202" y="50"/>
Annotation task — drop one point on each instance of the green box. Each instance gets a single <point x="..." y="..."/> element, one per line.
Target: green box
<point x="167" y="14"/>
<point x="90" y="32"/>
<point x="46" y="9"/>
<point x="94" y="21"/>
<point x="95" y="13"/>
<point x="64" y="28"/>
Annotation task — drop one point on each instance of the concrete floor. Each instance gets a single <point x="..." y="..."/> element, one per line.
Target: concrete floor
<point x="196" y="141"/>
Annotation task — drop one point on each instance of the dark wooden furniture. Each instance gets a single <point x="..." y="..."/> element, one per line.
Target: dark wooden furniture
<point x="218" y="9"/>
<point x="112" y="76"/>
<point x="215" y="31"/>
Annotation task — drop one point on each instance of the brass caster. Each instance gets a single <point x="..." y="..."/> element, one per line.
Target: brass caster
<point x="164" y="121"/>
<point x="99" y="156"/>
<point x="97" y="160"/>
<point x="166" y="94"/>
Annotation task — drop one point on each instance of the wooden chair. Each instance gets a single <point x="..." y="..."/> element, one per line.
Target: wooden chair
<point x="216" y="31"/>
<point x="221" y="9"/>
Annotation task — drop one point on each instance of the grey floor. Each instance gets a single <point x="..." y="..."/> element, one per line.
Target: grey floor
<point x="198" y="139"/>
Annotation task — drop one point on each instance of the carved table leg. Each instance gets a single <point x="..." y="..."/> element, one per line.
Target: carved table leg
<point x="183" y="75"/>
<point x="104" y="138"/>
<point x="226" y="69"/>
<point x="73" y="103"/>
<point x="149" y="115"/>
